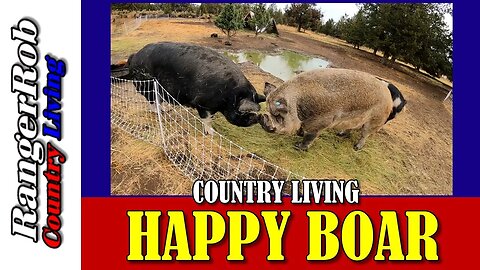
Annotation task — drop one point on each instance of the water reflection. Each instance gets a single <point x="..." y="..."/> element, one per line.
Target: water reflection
<point x="284" y="65"/>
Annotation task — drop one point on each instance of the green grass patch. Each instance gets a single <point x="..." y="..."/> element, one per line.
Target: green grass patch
<point x="330" y="156"/>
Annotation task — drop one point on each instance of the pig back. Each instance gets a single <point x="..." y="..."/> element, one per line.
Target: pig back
<point x="337" y="90"/>
<point x="192" y="74"/>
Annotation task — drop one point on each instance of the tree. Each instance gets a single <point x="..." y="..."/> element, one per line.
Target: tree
<point x="414" y="33"/>
<point x="329" y="28"/>
<point x="376" y="28"/>
<point x="210" y="8"/>
<point x="314" y="19"/>
<point x="433" y="52"/>
<point x="260" y="19"/>
<point x="244" y="8"/>
<point x="169" y="8"/>
<point x="342" y="27"/>
<point x="304" y="16"/>
<point x="356" y="30"/>
<point x="134" y="6"/>
<point x="229" y="20"/>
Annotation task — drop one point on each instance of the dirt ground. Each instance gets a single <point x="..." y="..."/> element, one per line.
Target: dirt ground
<point x="417" y="144"/>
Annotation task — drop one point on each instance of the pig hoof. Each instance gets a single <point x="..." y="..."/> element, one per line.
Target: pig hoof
<point x="300" y="132"/>
<point x="208" y="131"/>
<point x="343" y="134"/>
<point x="357" y="147"/>
<point x="300" y="146"/>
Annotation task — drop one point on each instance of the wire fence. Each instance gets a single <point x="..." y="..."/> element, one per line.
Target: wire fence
<point x="144" y="109"/>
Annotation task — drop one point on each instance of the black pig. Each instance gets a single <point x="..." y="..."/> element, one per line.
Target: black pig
<point x="200" y="78"/>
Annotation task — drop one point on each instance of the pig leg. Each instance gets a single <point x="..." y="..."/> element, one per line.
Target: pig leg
<point x="309" y="134"/>
<point x="306" y="142"/>
<point x="361" y="142"/>
<point x="300" y="132"/>
<point x="206" y="118"/>
<point x="367" y="130"/>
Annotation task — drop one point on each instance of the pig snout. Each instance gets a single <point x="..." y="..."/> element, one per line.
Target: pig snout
<point x="266" y="123"/>
<point x="241" y="120"/>
<point x="252" y="118"/>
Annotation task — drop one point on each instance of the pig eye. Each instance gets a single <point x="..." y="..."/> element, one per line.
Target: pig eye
<point x="277" y="103"/>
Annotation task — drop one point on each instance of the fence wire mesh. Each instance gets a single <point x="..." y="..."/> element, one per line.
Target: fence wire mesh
<point x="144" y="109"/>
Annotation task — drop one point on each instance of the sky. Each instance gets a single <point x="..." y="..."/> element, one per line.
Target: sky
<point x="332" y="10"/>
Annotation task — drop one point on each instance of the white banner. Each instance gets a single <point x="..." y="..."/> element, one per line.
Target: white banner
<point x="40" y="209"/>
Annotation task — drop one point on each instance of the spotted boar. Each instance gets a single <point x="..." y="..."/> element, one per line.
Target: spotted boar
<point x="332" y="98"/>
<point x="197" y="77"/>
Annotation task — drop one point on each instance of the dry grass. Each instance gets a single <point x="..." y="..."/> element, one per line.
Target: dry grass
<point x="141" y="168"/>
<point x="155" y="30"/>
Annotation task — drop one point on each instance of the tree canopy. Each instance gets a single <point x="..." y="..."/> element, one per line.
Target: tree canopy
<point x="230" y="19"/>
<point x="303" y="15"/>
<point x="414" y="33"/>
<point x="260" y="19"/>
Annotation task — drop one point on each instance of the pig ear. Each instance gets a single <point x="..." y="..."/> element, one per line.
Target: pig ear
<point x="247" y="105"/>
<point x="268" y="88"/>
<point x="260" y="98"/>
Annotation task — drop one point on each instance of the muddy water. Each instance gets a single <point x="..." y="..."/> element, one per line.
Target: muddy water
<point x="283" y="65"/>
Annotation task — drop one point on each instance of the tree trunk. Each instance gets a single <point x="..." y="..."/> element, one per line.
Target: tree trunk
<point x="385" y="59"/>
<point x="299" y="27"/>
<point x="375" y="52"/>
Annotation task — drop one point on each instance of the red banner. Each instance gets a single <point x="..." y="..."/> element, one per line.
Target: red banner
<point x="108" y="227"/>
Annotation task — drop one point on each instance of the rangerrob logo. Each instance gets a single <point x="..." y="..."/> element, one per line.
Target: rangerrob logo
<point x="31" y="148"/>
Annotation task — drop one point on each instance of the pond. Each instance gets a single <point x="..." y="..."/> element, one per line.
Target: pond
<point x="283" y="65"/>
